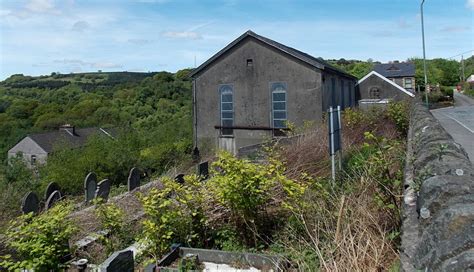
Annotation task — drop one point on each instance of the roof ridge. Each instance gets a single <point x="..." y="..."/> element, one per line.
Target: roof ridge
<point x="302" y="56"/>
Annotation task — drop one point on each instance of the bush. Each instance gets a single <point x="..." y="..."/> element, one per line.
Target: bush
<point x="398" y="112"/>
<point x="447" y="91"/>
<point x="172" y="214"/>
<point x="40" y="242"/>
<point x="246" y="188"/>
<point x="111" y="219"/>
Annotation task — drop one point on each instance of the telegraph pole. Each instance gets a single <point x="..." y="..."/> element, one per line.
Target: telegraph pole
<point x="424" y="54"/>
<point x="463" y="76"/>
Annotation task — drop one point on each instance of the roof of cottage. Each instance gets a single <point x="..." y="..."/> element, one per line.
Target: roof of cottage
<point x="400" y="69"/>
<point x="49" y="140"/>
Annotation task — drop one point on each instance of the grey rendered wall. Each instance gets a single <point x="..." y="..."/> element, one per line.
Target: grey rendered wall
<point x="29" y="147"/>
<point x="387" y="90"/>
<point x="349" y="99"/>
<point x="252" y="100"/>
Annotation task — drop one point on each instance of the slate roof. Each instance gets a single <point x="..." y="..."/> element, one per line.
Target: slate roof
<point x="403" y="69"/>
<point x="313" y="61"/>
<point x="49" y="140"/>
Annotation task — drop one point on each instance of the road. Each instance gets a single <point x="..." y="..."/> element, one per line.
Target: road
<point x="459" y="122"/>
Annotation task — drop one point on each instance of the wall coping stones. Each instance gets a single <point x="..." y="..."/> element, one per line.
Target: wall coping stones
<point x="443" y="239"/>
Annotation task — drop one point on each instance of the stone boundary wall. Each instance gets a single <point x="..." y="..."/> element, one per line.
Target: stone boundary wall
<point x="438" y="206"/>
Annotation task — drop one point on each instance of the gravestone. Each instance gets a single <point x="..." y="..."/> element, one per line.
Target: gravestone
<point x="103" y="189"/>
<point x="196" y="156"/>
<point x="90" y="185"/>
<point x="179" y="178"/>
<point x="133" y="179"/>
<point x="121" y="261"/>
<point x="52" y="199"/>
<point x="52" y="186"/>
<point x="203" y="170"/>
<point x="30" y="203"/>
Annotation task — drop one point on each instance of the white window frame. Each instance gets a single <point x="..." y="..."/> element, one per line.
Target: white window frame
<point x="225" y="89"/>
<point x="273" y="90"/>
<point x="408" y="85"/>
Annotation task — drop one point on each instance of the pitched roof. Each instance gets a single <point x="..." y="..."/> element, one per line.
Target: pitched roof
<point x="315" y="62"/>
<point x="49" y="140"/>
<point x="470" y="78"/>
<point x="403" y="69"/>
<point x="385" y="79"/>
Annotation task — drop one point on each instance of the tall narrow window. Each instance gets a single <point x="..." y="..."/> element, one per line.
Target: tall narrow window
<point x="408" y="83"/>
<point x="342" y="95"/>
<point x="333" y="92"/>
<point x="33" y="159"/>
<point x="227" y="109"/>
<point x="349" y="90"/>
<point x="279" y="117"/>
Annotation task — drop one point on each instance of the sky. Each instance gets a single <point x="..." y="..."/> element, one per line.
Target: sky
<point x="38" y="37"/>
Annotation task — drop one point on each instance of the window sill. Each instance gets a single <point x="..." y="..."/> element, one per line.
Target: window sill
<point x="226" y="136"/>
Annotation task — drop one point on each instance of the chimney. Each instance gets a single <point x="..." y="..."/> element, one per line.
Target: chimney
<point x="69" y="129"/>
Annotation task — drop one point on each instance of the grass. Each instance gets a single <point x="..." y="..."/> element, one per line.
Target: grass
<point x="352" y="224"/>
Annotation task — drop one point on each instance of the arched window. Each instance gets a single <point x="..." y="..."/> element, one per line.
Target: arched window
<point x="227" y="109"/>
<point x="374" y="93"/>
<point x="279" y="114"/>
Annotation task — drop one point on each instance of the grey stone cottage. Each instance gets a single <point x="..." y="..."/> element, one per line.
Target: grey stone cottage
<point x="401" y="73"/>
<point x="35" y="148"/>
<point x="248" y="91"/>
<point x="375" y="87"/>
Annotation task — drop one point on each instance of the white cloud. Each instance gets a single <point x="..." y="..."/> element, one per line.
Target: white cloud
<point x="191" y="35"/>
<point x="80" y="63"/>
<point x="80" y="26"/>
<point x="403" y="24"/>
<point x="139" y="41"/>
<point x="452" y="29"/>
<point x="152" y="1"/>
<point x="41" y="6"/>
<point x="470" y="4"/>
<point x="106" y="65"/>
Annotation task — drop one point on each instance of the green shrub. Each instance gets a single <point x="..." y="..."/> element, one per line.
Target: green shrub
<point x="447" y="91"/>
<point x="398" y="112"/>
<point x="40" y="242"/>
<point x="172" y="214"/>
<point x="246" y="188"/>
<point x="112" y="220"/>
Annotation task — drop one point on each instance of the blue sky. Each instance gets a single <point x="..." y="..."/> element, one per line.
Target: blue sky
<point x="43" y="36"/>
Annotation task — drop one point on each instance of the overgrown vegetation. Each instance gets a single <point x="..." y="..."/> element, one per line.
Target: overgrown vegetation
<point x="286" y="204"/>
<point x="39" y="242"/>
<point x="112" y="223"/>
<point x="150" y="113"/>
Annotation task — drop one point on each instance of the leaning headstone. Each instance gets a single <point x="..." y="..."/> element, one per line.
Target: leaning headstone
<point x="203" y="170"/>
<point x="121" y="261"/>
<point x="90" y="185"/>
<point x="52" y="186"/>
<point x="52" y="199"/>
<point x="133" y="179"/>
<point x="103" y="189"/>
<point x="196" y="156"/>
<point x="179" y="179"/>
<point x="30" y="203"/>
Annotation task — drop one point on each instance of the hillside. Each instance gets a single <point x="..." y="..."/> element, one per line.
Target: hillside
<point x="151" y="113"/>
